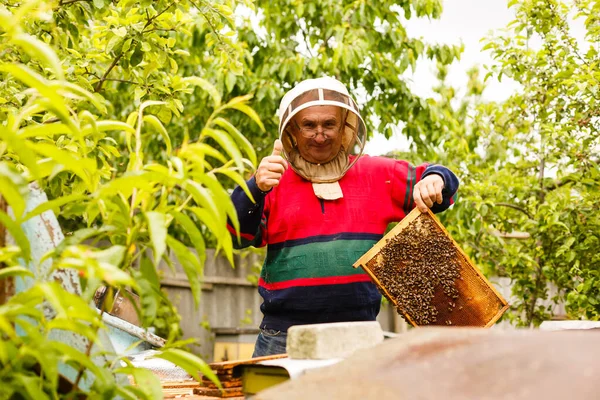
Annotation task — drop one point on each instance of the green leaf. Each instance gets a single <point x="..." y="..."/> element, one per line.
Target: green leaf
<point x="149" y="271"/>
<point x="137" y="56"/>
<point x="207" y="86"/>
<point x="70" y="354"/>
<point x="194" y="150"/>
<point x="71" y="325"/>
<point x="238" y="179"/>
<point x="209" y="219"/>
<point x="150" y="103"/>
<point x="190" y="363"/>
<point x="146" y="380"/>
<point x="157" y="229"/>
<point x="84" y="168"/>
<point x="14" y="271"/>
<point x="69" y="87"/>
<point x="155" y="122"/>
<point x="221" y="195"/>
<point x="53" y="205"/>
<point x="225" y="141"/>
<point x="66" y="304"/>
<point x="19" y="146"/>
<point x="40" y="51"/>
<point x="201" y="196"/>
<point x="193" y="232"/>
<point x="103" y="126"/>
<point x="190" y="264"/>
<point x="47" y="130"/>
<point x="112" y="255"/>
<point x="32" y="386"/>
<point x="240" y="139"/>
<point x="17" y="233"/>
<point x="131" y="393"/>
<point x="248" y="111"/>
<point x="36" y="81"/>
<point x="81" y="235"/>
<point x="13" y="188"/>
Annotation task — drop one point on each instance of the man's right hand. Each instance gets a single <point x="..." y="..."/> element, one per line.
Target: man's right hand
<point x="271" y="168"/>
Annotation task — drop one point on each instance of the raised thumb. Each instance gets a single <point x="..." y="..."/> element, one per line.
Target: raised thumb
<point x="277" y="148"/>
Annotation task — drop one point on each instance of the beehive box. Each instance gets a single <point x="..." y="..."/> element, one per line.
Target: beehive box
<point x="423" y="272"/>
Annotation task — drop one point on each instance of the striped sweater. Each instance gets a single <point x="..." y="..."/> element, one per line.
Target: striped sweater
<point x="307" y="276"/>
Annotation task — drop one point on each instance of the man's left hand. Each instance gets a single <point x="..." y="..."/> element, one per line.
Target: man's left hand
<point x="428" y="191"/>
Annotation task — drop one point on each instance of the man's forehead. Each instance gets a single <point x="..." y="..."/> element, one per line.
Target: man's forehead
<point x="319" y="112"/>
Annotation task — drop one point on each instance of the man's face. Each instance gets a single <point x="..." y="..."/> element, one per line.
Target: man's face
<point x="318" y="134"/>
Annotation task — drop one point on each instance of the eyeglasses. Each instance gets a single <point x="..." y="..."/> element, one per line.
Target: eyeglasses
<point x="329" y="130"/>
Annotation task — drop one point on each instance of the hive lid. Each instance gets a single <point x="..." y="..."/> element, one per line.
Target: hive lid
<point x="430" y="280"/>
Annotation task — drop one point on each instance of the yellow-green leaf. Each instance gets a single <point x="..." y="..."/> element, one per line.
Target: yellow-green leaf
<point x="240" y="139"/>
<point x="191" y="363"/>
<point x="190" y="264"/>
<point x="207" y="86"/>
<point x="157" y="229"/>
<point x="17" y="233"/>
<point x="225" y="141"/>
<point x="249" y="112"/>
<point x="156" y="124"/>
<point x="40" y="51"/>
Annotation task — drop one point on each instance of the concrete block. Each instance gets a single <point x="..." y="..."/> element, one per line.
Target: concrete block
<point x="333" y="340"/>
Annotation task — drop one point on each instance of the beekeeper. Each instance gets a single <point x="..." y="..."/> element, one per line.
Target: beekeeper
<point x="320" y="205"/>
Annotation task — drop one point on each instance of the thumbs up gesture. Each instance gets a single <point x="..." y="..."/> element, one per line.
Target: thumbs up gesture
<point x="271" y="168"/>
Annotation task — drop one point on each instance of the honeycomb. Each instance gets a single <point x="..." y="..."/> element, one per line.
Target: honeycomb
<point x="419" y="268"/>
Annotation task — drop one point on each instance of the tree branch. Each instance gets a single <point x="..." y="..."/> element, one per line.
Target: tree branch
<point x="104" y="77"/>
<point x="524" y="211"/>
<point x="150" y="20"/>
<point x="123" y="81"/>
<point x="118" y="57"/>
<point x="534" y="297"/>
<point x="67" y="2"/>
<point x="212" y="27"/>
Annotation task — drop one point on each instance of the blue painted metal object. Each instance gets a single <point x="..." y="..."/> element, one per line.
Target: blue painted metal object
<point x="120" y="338"/>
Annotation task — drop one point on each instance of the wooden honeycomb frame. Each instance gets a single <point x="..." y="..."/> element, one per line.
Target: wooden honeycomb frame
<point x="478" y="304"/>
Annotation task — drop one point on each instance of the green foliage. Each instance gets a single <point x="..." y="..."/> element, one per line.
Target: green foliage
<point x="363" y="44"/>
<point x="112" y="171"/>
<point x="529" y="166"/>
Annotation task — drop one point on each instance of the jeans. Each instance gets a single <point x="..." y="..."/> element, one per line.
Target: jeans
<point x="270" y="342"/>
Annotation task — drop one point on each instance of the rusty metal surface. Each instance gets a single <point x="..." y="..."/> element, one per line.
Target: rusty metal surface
<point x="460" y="364"/>
<point x="122" y="305"/>
<point x="44" y="234"/>
<point x="7" y="285"/>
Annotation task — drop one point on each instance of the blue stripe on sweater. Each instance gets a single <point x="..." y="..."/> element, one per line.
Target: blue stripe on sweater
<point x="324" y="238"/>
<point x="283" y="308"/>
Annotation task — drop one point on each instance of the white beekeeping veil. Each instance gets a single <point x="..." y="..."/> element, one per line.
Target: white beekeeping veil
<point x="322" y="92"/>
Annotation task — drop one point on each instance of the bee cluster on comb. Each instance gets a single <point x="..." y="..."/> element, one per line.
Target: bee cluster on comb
<point x="419" y="268"/>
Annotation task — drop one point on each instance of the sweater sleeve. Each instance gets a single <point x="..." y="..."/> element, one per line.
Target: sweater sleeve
<point x="406" y="177"/>
<point x="250" y="215"/>
<point x="450" y="186"/>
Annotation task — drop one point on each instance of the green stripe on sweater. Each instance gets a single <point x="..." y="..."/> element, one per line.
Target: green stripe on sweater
<point x="315" y="260"/>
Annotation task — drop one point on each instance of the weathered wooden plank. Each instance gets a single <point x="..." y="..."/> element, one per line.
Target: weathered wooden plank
<point x="229" y="365"/>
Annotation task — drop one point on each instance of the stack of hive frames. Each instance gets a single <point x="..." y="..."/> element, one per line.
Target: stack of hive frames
<point x="423" y="272"/>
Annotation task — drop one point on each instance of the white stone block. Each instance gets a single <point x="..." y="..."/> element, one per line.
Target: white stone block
<point x="333" y="340"/>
